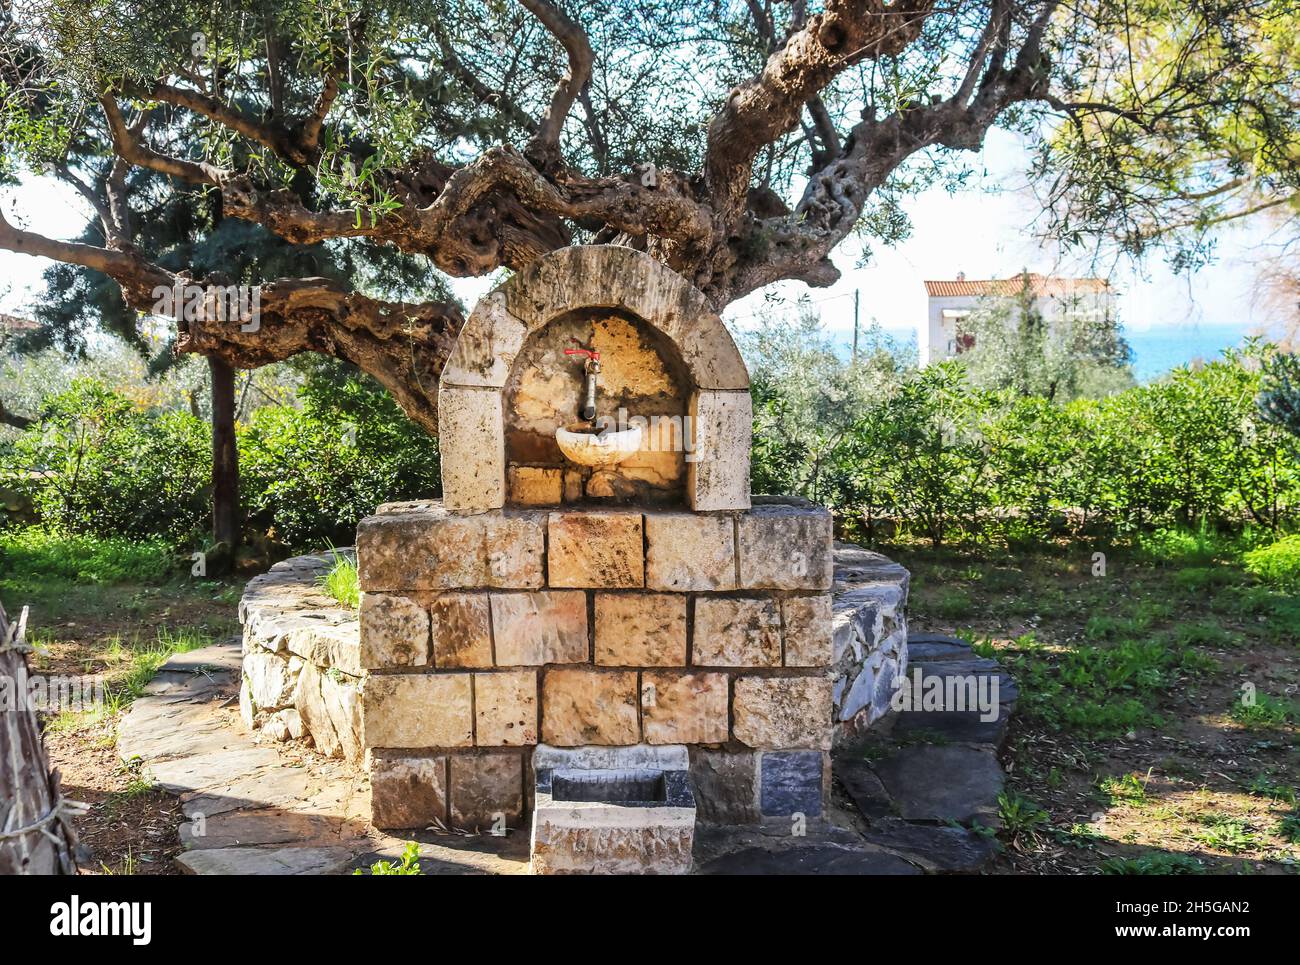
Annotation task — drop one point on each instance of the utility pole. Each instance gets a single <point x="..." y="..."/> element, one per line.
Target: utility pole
<point x="856" y="293"/>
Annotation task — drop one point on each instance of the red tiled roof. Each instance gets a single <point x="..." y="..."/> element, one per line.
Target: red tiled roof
<point x="1040" y="285"/>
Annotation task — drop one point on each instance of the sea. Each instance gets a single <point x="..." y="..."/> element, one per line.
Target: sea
<point x="1156" y="351"/>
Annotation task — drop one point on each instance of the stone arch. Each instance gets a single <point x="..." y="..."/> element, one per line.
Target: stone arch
<point x="470" y="403"/>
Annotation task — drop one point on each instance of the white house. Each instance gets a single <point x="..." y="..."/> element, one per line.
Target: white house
<point x="1054" y="298"/>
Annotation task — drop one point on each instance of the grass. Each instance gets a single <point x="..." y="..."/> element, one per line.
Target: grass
<point x="341" y="581"/>
<point x="1130" y="732"/>
<point x="32" y="555"/>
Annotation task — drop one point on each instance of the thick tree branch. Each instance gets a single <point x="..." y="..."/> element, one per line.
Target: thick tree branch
<point x="545" y="145"/>
<point x="767" y="107"/>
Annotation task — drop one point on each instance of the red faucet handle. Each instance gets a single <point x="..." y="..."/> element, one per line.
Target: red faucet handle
<point x="594" y="356"/>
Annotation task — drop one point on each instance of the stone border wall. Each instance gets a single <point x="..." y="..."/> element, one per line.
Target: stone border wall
<point x="869" y="636"/>
<point x="302" y="665"/>
<point x="302" y="658"/>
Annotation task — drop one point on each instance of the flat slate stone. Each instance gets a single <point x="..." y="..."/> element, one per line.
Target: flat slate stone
<point x="862" y="786"/>
<point x="273" y="787"/>
<point x="265" y="861"/>
<point x="210" y="769"/>
<point x="937" y="650"/>
<point x="956" y="727"/>
<point x="810" y="860"/>
<point x="936" y="782"/>
<point x="257" y="827"/>
<point x="220" y="657"/>
<point x="941" y="850"/>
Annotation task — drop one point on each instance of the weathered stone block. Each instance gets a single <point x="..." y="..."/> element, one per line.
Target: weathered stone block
<point x="590" y="707"/>
<point x="784" y="547"/>
<point x="407" y="792"/>
<point x="791" y="782"/>
<point x="534" y="486"/>
<point x="505" y="708"/>
<point x="462" y="630"/>
<point x="394" y="631"/>
<point x="736" y="633"/>
<point x="717" y="468"/>
<point x="418" y="710"/>
<point x="487" y="345"/>
<point x="584" y="822"/>
<point x="471" y="440"/>
<point x="341" y="699"/>
<point x="487" y="791"/>
<point x="684" y="708"/>
<point x="595" y="549"/>
<point x="425" y="547"/>
<point x="807" y="628"/>
<point x="726" y="785"/>
<point x="271" y="678"/>
<point x="688" y="551"/>
<point x="782" y="712"/>
<point x="641" y="629"/>
<point x="531" y="629"/>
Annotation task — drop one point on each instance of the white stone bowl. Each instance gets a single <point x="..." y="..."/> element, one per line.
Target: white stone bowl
<point x="583" y="445"/>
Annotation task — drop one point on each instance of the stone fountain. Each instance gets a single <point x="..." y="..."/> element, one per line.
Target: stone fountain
<point x="596" y="647"/>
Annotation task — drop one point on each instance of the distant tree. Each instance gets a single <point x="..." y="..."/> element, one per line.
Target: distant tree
<point x="1279" y="396"/>
<point x="1075" y="354"/>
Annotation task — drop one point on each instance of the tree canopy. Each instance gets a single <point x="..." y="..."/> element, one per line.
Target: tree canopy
<point x="738" y="142"/>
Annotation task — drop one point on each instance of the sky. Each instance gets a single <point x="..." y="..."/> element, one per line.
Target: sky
<point x="980" y="231"/>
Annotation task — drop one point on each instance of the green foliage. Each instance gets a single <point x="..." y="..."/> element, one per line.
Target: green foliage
<point x="311" y="474"/>
<point x="1279" y="392"/>
<point x="1154" y="863"/>
<point x="1175" y="464"/>
<point x="98" y="464"/>
<point x="341" y="581"/>
<point x="1019" y="815"/>
<point x="409" y="865"/>
<point x="1278" y="562"/>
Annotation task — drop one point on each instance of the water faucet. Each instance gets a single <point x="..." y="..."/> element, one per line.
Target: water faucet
<point x="591" y="367"/>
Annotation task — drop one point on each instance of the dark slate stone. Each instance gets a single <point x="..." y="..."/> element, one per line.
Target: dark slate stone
<point x="942" y="850"/>
<point x="954" y="727"/>
<point x="930" y="650"/>
<point x="940" y="782"/>
<point x="810" y="860"/>
<point x="789" y="782"/>
<point x="862" y="786"/>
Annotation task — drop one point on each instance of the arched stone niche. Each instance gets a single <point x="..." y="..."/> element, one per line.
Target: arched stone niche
<point x="664" y="352"/>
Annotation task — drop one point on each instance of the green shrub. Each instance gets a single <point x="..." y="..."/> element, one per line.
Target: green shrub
<point x="309" y="475"/>
<point x="1277" y="563"/>
<point x="341" y="581"/>
<point x="98" y="464"/>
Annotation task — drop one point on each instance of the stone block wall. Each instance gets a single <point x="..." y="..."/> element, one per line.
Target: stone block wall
<point x="302" y="659"/>
<point x="484" y="635"/>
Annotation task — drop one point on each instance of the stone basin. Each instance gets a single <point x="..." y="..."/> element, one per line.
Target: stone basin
<point x="586" y="445"/>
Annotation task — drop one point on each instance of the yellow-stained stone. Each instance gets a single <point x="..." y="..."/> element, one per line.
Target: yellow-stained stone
<point x="690" y="551"/>
<point x="736" y="632"/>
<point x="806" y="622"/>
<point x="589" y="707"/>
<point x="505" y="708"/>
<point x="684" y="708"/>
<point x="785" y="547"/>
<point x="541" y="627"/>
<point x="394" y="631"/>
<point x="534" y="486"/>
<point x="641" y="629"/>
<point x="462" y="631"/>
<point x="417" y="710"/>
<point x="595" y="549"/>
<point x="778" y="713"/>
